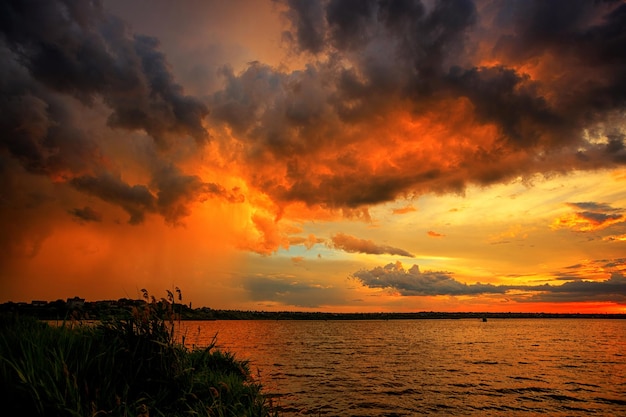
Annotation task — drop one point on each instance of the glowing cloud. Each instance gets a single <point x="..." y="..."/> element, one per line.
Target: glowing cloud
<point x="594" y="216"/>
<point x="352" y="244"/>
<point x="308" y="241"/>
<point x="413" y="282"/>
<point x="404" y="210"/>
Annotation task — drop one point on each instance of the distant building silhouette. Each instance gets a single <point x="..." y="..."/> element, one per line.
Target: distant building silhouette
<point x="75" y="302"/>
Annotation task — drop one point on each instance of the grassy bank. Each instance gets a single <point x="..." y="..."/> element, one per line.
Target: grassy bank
<point x="125" y="367"/>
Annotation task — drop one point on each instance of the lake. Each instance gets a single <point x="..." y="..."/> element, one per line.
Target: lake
<point x="556" y="367"/>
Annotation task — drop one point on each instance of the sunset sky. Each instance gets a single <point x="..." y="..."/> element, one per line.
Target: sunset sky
<point x="342" y="156"/>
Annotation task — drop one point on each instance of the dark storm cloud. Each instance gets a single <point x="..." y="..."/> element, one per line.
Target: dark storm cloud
<point x="349" y="22"/>
<point x="175" y="193"/>
<point x="421" y="39"/>
<point x="353" y="244"/>
<point x="76" y="48"/>
<point x="506" y="97"/>
<point x="532" y="78"/>
<point x="589" y="37"/>
<point x="615" y="148"/>
<point x="136" y="200"/>
<point x="541" y="74"/>
<point x="349" y="190"/>
<point x="412" y="282"/>
<point x="595" y="28"/>
<point x="308" y="19"/>
<point x="36" y="126"/>
<point x="56" y="52"/>
<point x="85" y="214"/>
<point x="178" y="191"/>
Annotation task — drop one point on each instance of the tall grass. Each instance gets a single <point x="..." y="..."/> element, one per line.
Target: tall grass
<point x="128" y="366"/>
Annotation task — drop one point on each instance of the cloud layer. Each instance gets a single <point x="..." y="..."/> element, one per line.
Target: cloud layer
<point x="60" y="57"/>
<point x="401" y="98"/>
<point x="590" y="216"/>
<point x="413" y="282"/>
<point x="353" y="244"/>
<point x="394" y="99"/>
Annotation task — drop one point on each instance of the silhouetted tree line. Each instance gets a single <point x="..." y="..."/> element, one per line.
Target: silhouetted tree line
<point x="78" y="309"/>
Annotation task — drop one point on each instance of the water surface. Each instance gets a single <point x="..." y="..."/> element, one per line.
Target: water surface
<point x="556" y="367"/>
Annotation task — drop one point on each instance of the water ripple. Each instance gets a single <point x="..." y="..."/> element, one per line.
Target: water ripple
<point x="434" y="367"/>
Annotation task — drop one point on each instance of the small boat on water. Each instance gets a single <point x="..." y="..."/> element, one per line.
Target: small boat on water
<point x="484" y="319"/>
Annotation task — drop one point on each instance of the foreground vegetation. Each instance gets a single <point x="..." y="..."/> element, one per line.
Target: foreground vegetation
<point x="128" y="366"/>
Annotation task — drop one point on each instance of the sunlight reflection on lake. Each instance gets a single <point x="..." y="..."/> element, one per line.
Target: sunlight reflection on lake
<point x="445" y="367"/>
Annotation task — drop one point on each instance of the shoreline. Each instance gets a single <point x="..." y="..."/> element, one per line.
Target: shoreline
<point x="104" y="310"/>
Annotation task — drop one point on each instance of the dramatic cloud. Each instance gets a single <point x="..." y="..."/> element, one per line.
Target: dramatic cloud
<point x="352" y="244"/>
<point x="613" y="289"/>
<point x="60" y="57"/>
<point x="404" y="210"/>
<point x="76" y="48"/>
<point x="405" y="98"/>
<point x="590" y="206"/>
<point x="591" y="269"/>
<point x="393" y="99"/>
<point x="618" y="238"/>
<point x="413" y="282"/>
<point x="177" y="191"/>
<point x="595" y="216"/>
<point x="86" y="214"/>
<point x="308" y="19"/>
<point x="135" y="200"/>
<point x="308" y="241"/>
<point x="328" y="112"/>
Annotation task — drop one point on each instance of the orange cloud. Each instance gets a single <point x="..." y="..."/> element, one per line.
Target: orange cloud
<point x="413" y="282"/>
<point x="434" y="234"/>
<point x="404" y="210"/>
<point x="308" y="241"/>
<point x="352" y="244"/>
<point x="619" y="238"/>
<point x="594" y="217"/>
<point x="344" y="133"/>
<point x="513" y="232"/>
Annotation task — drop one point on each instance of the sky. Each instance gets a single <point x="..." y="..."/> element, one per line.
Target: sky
<point x="341" y="156"/>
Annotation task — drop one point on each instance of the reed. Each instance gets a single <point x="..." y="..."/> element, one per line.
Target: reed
<point x="128" y="366"/>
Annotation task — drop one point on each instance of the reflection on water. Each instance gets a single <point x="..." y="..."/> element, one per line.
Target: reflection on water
<point x="445" y="367"/>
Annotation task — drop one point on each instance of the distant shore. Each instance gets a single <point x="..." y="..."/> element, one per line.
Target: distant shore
<point x="77" y="308"/>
